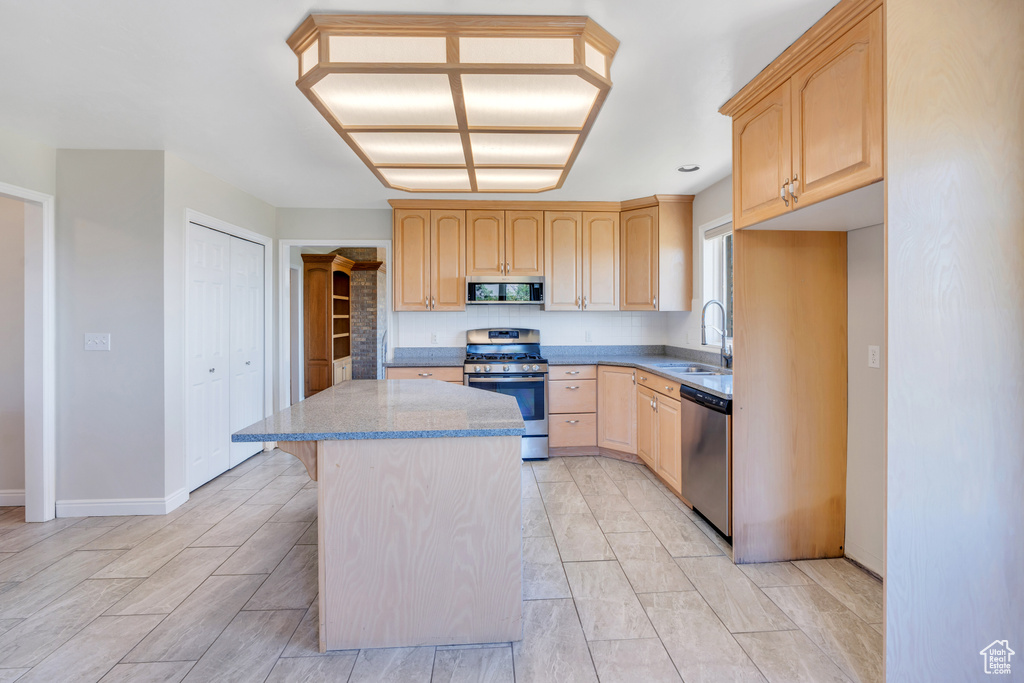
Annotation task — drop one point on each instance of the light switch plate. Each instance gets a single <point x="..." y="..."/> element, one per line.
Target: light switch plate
<point x="874" y="357"/>
<point x="97" y="341"/>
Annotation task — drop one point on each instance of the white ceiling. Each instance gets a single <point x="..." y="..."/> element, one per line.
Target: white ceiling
<point x="213" y="82"/>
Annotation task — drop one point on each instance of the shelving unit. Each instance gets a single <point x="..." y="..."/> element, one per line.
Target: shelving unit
<point x="328" y="316"/>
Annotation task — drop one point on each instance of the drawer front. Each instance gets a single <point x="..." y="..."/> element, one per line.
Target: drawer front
<point x="556" y="372"/>
<point x="572" y="430"/>
<point x="663" y="386"/>
<point x="443" y="374"/>
<point x="572" y="396"/>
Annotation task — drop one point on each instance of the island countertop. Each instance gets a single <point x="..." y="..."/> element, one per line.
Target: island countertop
<point x="391" y="409"/>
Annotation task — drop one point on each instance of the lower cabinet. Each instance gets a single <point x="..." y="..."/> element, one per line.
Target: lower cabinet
<point x="659" y="435"/>
<point x="453" y="375"/>
<point x="343" y="370"/>
<point x="616" y="408"/>
<point x="572" y="407"/>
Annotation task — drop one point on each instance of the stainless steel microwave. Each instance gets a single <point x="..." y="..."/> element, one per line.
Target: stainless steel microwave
<point x="505" y="290"/>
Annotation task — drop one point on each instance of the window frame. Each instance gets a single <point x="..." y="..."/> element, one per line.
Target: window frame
<point x="716" y="231"/>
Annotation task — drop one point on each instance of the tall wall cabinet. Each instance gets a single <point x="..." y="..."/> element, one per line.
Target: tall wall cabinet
<point x="224" y="347"/>
<point x="327" y="306"/>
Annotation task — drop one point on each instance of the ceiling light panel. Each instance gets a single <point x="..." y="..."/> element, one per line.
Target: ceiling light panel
<point x="457" y="103"/>
<point x="411" y="148"/>
<point x="388" y="99"/>
<point x="522" y="149"/>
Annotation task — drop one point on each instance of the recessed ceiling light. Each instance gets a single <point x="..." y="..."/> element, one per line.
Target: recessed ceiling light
<point x="458" y="103"/>
<point x="689" y="168"/>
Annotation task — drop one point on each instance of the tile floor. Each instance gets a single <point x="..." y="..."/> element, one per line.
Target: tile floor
<point x="621" y="583"/>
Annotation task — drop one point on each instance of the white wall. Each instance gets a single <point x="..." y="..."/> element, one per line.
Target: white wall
<point x="865" y="450"/>
<point x="12" y="359"/>
<point x="683" y="329"/>
<point x="187" y="187"/>
<point x="109" y="234"/>
<point x="26" y="163"/>
<point x="334" y="224"/>
<point x="955" y="297"/>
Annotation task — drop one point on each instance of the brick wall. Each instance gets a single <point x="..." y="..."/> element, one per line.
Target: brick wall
<point x="369" y="319"/>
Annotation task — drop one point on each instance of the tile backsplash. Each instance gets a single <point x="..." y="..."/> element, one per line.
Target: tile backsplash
<point x="557" y="328"/>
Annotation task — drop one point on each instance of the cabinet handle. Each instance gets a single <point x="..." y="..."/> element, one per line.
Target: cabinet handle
<point x="425" y="374"/>
<point x="507" y="269"/>
<point x="792" y="189"/>
<point x="431" y="303"/>
<point x="572" y="388"/>
<point x="669" y="388"/>
<point x="782" y="192"/>
<point x="654" y="301"/>
<point x="584" y="301"/>
<point x="634" y="378"/>
<point x="572" y="422"/>
<point x="578" y="302"/>
<point x="572" y="372"/>
<point x="654" y="403"/>
<point x="643" y="379"/>
<point x="501" y="267"/>
<point x="426" y="302"/>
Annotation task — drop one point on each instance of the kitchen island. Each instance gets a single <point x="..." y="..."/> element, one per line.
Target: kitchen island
<point x="419" y="520"/>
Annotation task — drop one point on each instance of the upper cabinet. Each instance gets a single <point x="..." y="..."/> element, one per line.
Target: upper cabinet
<point x="809" y="127"/>
<point x="504" y="242"/>
<point x="581" y="270"/>
<point x="656" y="237"/>
<point x="430" y="260"/>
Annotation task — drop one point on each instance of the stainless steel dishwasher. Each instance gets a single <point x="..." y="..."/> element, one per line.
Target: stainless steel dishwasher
<point x="706" y="432"/>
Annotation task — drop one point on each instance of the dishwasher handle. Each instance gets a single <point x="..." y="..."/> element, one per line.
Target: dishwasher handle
<point x="703" y="398"/>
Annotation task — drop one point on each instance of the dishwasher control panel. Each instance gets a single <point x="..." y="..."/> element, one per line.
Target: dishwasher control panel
<point x="722" y="405"/>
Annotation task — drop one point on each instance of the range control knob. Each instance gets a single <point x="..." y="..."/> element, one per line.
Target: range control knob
<point x="487" y="368"/>
<point x="535" y="368"/>
<point x="504" y="368"/>
<point x="476" y="368"/>
<point x="526" y="368"/>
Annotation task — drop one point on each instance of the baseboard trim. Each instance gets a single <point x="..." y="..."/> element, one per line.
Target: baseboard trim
<point x="118" y="507"/>
<point x="867" y="561"/>
<point x="12" y="498"/>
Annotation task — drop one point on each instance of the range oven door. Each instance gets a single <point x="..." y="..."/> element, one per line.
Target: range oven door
<point x="529" y="392"/>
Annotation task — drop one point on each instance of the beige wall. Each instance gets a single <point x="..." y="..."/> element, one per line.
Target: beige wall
<point x="187" y="187"/>
<point x="12" y="342"/>
<point x="26" y="163"/>
<point x="865" y="449"/>
<point x="955" y="296"/>
<point x="109" y="264"/>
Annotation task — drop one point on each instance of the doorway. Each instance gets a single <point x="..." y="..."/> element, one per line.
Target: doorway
<point x="28" y="467"/>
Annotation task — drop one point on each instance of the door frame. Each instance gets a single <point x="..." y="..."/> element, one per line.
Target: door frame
<point x="192" y="216"/>
<point x="40" y="359"/>
<point x="284" y="302"/>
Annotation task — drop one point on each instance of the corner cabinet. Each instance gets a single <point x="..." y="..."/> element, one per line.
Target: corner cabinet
<point x="327" y="326"/>
<point x="817" y="133"/>
<point x="656" y="236"/>
<point x="430" y="260"/>
<point x="616" y="408"/>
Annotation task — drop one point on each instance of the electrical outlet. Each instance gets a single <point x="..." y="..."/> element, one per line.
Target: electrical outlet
<point x="874" y="357"/>
<point x="589" y="336"/>
<point x="97" y="341"/>
<point x="433" y="337"/>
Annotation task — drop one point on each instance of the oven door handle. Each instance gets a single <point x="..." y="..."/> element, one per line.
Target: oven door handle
<point x="474" y="380"/>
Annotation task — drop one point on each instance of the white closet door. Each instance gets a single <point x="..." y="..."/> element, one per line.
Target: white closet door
<point x="207" y="348"/>
<point x="247" y="390"/>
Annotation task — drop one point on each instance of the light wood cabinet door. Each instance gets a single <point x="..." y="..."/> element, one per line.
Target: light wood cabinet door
<point x="412" y="260"/>
<point x="485" y="243"/>
<point x="447" y="260"/>
<point x="600" y="261"/>
<point x="616" y="408"/>
<point x="572" y="430"/>
<point x="524" y="243"/>
<point x="645" y="426"/>
<point x="639" y="254"/>
<point x="572" y="396"/>
<point x="762" y="158"/>
<point x="837" y="115"/>
<point x="668" y="437"/>
<point x="562" y="260"/>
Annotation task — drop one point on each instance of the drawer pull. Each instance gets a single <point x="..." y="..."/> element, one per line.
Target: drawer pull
<point x="572" y="372"/>
<point x="572" y="422"/>
<point x="643" y="379"/>
<point x="425" y="374"/>
<point x="571" y="388"/>
<point x="668" y="388"/>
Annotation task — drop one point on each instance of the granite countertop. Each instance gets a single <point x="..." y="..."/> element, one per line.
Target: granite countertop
<point x="717" y="385"/>
<point x="391" y="409"/>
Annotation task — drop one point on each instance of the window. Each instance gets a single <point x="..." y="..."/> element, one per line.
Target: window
<point x="718" y="279"/>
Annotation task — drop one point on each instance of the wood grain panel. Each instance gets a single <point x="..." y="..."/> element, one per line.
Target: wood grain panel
<point x="639" y="254"/>
<point x="657" y="383"/>
<point x="669" y="462"/>
<point x="572" y="396"/>
<point x="955" y="249"/>
<point x="762" y="158"/>
<point x="485" y="242"/>
<point x="412" y="259"/>
<point x="572" y="430"/>
<point x="420" y="542"/>
<point x="439" y="373"/>
<point x="790" y="408"/>
<point x="675" y="253"/>
<point x="616" y="408"/>
<point x="600" y="237"/>
<point x="837" y="115"/>
<point x="645" y="426"/>
<point x="447" y="260"/>
<point x="524" y="242"/>
<point x="563" y="260"/>
<point x="572" y="372"/>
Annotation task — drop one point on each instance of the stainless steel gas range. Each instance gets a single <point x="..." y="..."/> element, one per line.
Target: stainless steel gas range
<point x="508" y="361"/>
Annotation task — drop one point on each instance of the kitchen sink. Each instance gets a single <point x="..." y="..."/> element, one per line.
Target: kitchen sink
<point x="689" y="369"/>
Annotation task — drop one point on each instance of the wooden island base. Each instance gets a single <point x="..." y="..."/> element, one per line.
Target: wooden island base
<point x="420" y="540"/>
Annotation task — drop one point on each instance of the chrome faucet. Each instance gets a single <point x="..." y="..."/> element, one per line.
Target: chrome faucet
<point x="726" y="353"/>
